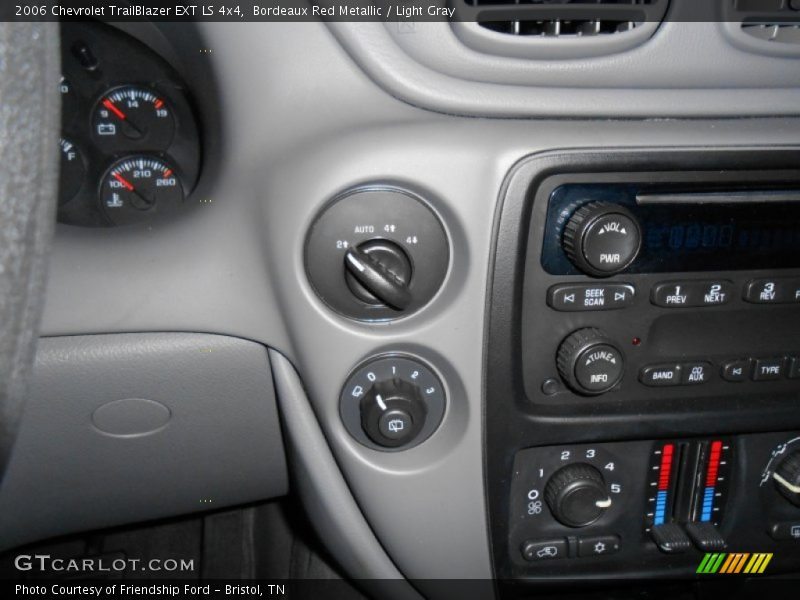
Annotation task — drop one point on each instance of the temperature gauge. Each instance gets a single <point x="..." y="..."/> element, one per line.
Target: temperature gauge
<point x="135" y="187"/>
<point x="132" y="118"/>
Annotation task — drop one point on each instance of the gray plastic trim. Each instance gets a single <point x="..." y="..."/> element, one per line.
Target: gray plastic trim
<point x="687" y="69"/>
<point x="131" y="427"/>
<point x="325" y="495"/>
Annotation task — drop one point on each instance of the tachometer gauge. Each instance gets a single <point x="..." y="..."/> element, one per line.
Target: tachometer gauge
<point x="73" y="171"/>
<point x="136" y="187"/>
<point x="132" y="118"/>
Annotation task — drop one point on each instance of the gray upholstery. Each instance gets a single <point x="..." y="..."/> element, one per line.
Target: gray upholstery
<point x="29" y="124"/>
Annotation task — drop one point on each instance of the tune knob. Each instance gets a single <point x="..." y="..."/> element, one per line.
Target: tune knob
<point x="602" y="238"/>
<point x="577" y="495"/>
<point x="589" y="362"/>
<point x="787" y="477"/>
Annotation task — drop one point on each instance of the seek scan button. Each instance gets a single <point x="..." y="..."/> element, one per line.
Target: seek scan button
<point x="581" y="297"/>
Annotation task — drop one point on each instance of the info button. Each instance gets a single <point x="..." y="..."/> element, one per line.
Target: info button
<point x="661" y="375"/>
<point x="581" y="297"/>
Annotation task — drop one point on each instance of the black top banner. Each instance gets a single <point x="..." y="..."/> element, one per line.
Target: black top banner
<point x="768" y="12"/>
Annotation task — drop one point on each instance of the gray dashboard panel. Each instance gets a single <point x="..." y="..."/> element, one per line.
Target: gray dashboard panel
<point x="302" y="123"/>
<point x="121" y="428"/>
<point x="686" y="70"/>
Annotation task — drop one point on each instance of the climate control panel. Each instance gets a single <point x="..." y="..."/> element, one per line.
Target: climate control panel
<point x="655" y="506"/>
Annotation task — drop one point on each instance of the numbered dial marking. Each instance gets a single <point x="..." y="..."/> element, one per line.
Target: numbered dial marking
<point x="558" y="489"/>
<point x="136" y="186"/>
<point x="73" y="171"/>
<point x="392" y="402"/>
<point x="132" y="118"/>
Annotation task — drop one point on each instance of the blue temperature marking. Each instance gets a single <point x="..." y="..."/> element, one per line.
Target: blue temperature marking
<point x="661" y="508"/>
<point x="708" y="504"/>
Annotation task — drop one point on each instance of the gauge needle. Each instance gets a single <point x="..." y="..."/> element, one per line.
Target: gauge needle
<point x="129" y="127"/>
<point x="148" y="202"/>
<point x="128" y="185"/>
<point x="112" y="107"/>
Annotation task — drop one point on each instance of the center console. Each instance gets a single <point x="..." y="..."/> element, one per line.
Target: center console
<point x="643" y="366"/>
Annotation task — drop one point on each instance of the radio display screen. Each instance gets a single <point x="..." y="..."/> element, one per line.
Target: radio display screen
<point x="685" y="236"/>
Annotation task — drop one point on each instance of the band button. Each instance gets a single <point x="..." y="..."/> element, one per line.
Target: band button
<point x="660" y="375"/>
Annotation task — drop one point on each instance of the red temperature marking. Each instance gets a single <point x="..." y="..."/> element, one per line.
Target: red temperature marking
<point x="167" y="172"/>
<point x="666" y="466"/>
<point x="159" y="103"/>
<point x="713" y="463"/>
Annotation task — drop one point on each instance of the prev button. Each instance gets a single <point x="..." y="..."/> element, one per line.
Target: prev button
<point x="580" y="297"/>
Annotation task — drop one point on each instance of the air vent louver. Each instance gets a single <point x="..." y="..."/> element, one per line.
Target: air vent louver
<point x="776" y="21"/>
<point x="557" y="28"/>
<point x="559" y="18"/>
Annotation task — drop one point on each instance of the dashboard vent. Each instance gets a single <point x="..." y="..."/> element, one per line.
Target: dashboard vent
<point x="556" y="29"/>
<point x="558" y="18"/>
<point x="770" y="20"/>
<point x="767" y="26"/>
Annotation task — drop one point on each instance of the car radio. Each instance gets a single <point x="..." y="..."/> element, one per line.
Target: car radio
<point x="663" y="290"/>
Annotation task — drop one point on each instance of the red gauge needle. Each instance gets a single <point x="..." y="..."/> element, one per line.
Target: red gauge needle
<point x="123" y="181"/>
<point x="110" y="106"/>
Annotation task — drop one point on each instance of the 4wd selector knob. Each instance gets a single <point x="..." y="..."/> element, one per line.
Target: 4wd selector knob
<point x="577" y="495"/>
<point x="602" y="238"/>
<point x="589" y="362"/>
<point x="787" y="477"/>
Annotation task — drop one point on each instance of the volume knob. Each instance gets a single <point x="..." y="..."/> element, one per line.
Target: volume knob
<point x="602" y="238"/>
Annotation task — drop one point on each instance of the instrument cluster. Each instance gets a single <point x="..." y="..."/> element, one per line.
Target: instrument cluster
<point x="130" y="144"/>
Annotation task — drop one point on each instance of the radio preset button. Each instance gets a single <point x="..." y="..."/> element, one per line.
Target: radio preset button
<point x="661" y="375"/>
<point x="582" y="297"/>
<point x="695" y="373"/>
<point x="736" y="370"/>
<point x="682" y="294"/>
<point x="769" y="369"/>
<point x="772" y="291"/>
